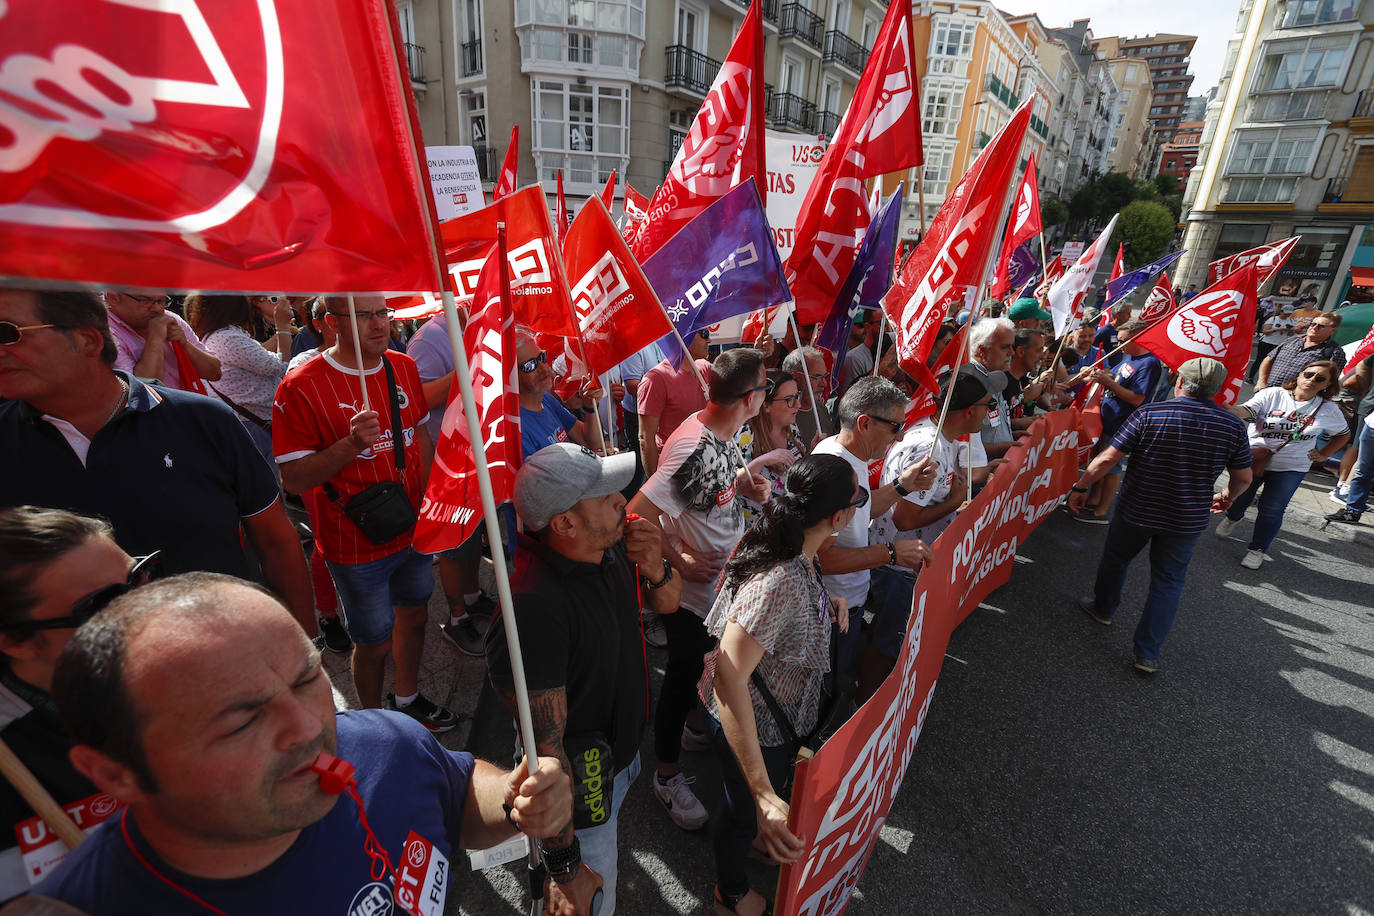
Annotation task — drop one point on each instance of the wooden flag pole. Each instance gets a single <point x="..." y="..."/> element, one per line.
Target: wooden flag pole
<point x="970" y="299"/>
<point x="43" y="804"/>
<point x="358" y="350"/>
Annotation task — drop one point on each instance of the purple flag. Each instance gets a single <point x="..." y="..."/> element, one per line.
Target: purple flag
<point x="1024" y="265"/>
<point x="868" y="281"/>
<point x="721" y="264"/>
<point x="1128" y="282"/>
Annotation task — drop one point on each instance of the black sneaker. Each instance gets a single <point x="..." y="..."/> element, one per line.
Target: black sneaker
<point x="1089" y="607"/>
<point x="335" y="636"/>
<point x="1345" y="515"/>
<point x="1091" y="517"/>
<point x="1146" y="665"/>
<point x="432" y="716"/>
<point x="465" y="636"/>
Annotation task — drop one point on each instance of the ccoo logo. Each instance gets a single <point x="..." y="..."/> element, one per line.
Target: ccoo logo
<point x="181" y="127"/>
<point x="599" y="287"/>
<point x="1206" y="327"/>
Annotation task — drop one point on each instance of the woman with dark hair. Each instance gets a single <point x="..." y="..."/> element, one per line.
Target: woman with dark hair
<point x="1287" y="421"/>
<point x="773" y="616"/>
<point x="251" y="372"/>
<point x="770" y="442"/>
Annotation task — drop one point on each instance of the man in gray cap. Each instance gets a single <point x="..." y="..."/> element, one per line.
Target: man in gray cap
<point x="1178" y="448"/>
<point x="577" y="610"/>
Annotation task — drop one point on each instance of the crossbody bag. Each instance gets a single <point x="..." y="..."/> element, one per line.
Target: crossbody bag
<point x="1260" y="457"/>
<point x="383" y="511"/>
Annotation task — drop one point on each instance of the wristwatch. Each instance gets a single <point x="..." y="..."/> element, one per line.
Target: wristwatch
<point x="901" y="490"/>
<point x="563" y="863"/>
<point x="667" y="574"/>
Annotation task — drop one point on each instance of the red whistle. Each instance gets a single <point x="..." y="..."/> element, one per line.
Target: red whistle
<point x="335" y="774"/>
<point x="632" y="517"/>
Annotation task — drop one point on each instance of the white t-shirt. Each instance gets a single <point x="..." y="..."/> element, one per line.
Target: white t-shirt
<point x="918" y="442"/>
<point x="1282" y="330"/>
<point x="853" y="586"/>
<point x="1278" y="417"/>
<point x="694" y="486"/>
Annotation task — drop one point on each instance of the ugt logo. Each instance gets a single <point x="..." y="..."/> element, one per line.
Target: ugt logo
<point x="1206" y="326"/>
<point x="177" y="114"/>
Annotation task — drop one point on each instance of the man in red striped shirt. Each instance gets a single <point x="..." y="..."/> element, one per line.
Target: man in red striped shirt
<point x="326" y="435"/>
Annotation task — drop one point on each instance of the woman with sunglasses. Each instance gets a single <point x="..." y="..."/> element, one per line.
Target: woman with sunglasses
<point x="773" y="617"/>
<point x="770" y="442"/>
<point x="1287" y="421"/>
<point x="57" y="570"/>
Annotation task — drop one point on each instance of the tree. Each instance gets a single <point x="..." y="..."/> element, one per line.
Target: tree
<point x="1053" y="212"/>
<point x="1145" y="190"/>
<point x="1146" y="228"/>
<point x="1167" y="184"/>
<point x="1114" y="191"/>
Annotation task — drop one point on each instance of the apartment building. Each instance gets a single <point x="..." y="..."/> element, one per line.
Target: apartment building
<point x="1070" y="88"/>
<point x="1088" y="152"/>
<point x="1167" y="56"/>
<point x="974" y="71"/>
<point x="1288" y="149"/>
<point x="1131" y="149"/>
<point x="1179" y="156"/>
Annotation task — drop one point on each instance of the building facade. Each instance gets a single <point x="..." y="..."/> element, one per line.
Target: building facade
<point x="1130" y="149"/>
<point x="1179" y="156"/>
<point x="1167" y="56"/>
<point x="1288" y="148"/>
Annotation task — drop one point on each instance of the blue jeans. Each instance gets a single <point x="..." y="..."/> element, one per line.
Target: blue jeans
<point x="1169" y="556"/>
<point x="889" y="597"/>
<point x="1279" y="487"/>
<point x="598" y="843"/>
<point x="1360" y="481"/>
<point x="733" y="830"/>
<point x="368" y="592"/>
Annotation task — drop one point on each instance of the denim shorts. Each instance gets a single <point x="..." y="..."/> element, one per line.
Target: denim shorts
<point x="889" y="597"/>
<point x="369" y="591"/>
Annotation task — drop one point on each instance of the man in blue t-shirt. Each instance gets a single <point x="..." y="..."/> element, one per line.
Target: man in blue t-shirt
<point x="1109" y="337"/>
<point x="199" y="704"/>
<point x="543" y="420"/>
<point x="1131" y="383"/>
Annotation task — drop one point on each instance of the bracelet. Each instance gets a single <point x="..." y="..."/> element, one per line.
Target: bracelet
<point x="1079" y="489"/>
<point x="563" y="863"/>
<point x="901" y="490"/>
<point x="667" y="574"/>
<point x="892" y="554"/>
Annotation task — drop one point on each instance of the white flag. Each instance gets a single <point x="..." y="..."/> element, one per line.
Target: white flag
<point x="1066" y="295"/>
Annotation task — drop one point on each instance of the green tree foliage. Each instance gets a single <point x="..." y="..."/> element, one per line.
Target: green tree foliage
<point x="1167" y="185"/>
<point x="1053" y="212"/>
<point x="1145" y="190"/>
<point x="1146" y="228"/>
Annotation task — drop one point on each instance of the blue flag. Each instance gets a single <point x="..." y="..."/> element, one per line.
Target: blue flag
<point x="1128" y="282"/>
<point x="868" y="281"/>
<point x="721" y="264"/>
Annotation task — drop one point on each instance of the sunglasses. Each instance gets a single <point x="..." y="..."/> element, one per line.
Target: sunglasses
<point x="1316" y="376"/>
<point x="366" y="316"/>
<point x="534" y="362"/>
<point x="704" y="334"/>
<point x="859" y="501"/>
<point x="1327" y="327"/>
<point x="896" y="426"/>
<point x="144" y="570"/>
<point x="11" y="333"/>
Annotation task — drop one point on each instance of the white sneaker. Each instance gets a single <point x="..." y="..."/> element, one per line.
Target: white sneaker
<point x="1253" y="559"/>
<point x="1338" y="494"/>
<point x="677" y="798"/>
<point x="1226" y="526"/>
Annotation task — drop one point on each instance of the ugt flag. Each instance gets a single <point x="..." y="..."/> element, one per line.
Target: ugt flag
<point x="1160" y="302"/>
<point x="199" y="145"/>
<point x="1024" y="226"/>
<point x="879" y="133"/>
<point x="452" y="507"/>
<point x="1066" y="296"/>
<point x="617" y="312"/>
<point x="1361" y="351"/>
<point x="1218" y="323"/>
<point x="724" y="146"/>
<point x="1123" y="285"/>
<point x="721" y="264"/>
<point x="869" y="280"/>
<point x="1266" y="258"/>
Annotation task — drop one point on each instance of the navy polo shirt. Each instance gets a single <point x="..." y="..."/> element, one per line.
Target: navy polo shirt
<point x="175" y="472"/>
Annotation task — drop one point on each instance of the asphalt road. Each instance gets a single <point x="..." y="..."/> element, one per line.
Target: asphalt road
<point x="1051" y="777"/>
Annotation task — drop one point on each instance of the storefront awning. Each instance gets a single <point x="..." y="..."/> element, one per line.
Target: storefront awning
<point x="1362" y="276"/>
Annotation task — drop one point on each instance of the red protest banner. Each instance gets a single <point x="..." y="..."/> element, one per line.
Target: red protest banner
<point x="840" y="797"/>
<point x="194" y="145"/>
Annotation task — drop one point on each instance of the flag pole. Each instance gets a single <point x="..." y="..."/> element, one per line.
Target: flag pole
<point x="878" y="353"/>
<point x="806" y="374"/>
<point x="970" y="294"/>
<point x="463" y="373"/>
<point x="358" y="350"/>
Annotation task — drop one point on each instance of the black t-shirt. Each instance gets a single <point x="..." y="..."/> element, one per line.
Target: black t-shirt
<point x="175" y="472"/>
<point x="579" y="630"/>
<point x="1016" y="403"/>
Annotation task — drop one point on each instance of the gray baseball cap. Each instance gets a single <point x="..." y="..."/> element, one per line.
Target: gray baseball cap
<point x="559" y="476"/>
<point x="1208" y="374"/>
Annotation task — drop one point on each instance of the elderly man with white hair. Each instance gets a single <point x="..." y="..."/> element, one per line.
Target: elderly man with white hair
<point x="991" y="341"/>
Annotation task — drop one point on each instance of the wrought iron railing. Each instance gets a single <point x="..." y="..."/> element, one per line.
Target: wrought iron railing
<point x="800" y="23"/>
<point x="415" y="58"/>
<point x="690" y="69"/>
<point x="828" y="123"/>
<point x="793" y="111"/>
<point x="842" y="49"/>
<point x="472" y="57"/>
<point x="487" y="166"/>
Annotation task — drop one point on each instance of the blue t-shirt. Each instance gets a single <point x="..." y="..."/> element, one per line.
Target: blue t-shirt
<point x="433" y="357"/>
<point x="541" y="428"/>
<point x="407" y="782"/>
<point x="1106" y="339"/>
<point x="634" y="367"/>
<point x="1134" y="373"/>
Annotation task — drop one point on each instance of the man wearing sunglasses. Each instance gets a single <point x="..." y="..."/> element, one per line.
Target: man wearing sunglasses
<point x="148" y="336"/>
<point x="544" y="421"/>
<point x="1284" y="363"/>
<point x="173" y="471"/>
<point x="57" y="570"/>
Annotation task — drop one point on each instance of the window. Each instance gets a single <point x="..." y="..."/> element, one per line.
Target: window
<point x="476" y="111"/>
<point x="470" y="38"/>
<point x="839" y="15"/>
<point x="1259" y="190"/>
<point x="679" y="123"/>
<point x="1272" y="152"/>
<point x="793" y="76"/>
<point x="623" y="16"/>
<point x="953" y="38"/>
<point x="590" y="123"/>
<point x="942" y="110"/>
<point x="830" y="96"/>
<point x="870" y="31"/>
<point x="938" y="166"/>
<point x="691" y="26"/>
<point x="1303" y="64"/>
<point x="1290" y="106"/>
<point x="1310" y="12"/>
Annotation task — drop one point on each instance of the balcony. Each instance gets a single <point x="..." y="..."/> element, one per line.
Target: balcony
<point x="415" y="59"/>
<point x="792" y="111"/>
<point x="487" y="165"/>
<point x="770" y="9"/>
<point x="828" y="123"/>
<point x="1040" y="127"/>
<point x="472" y="57"/>
<point x="690" y="70"/>
<point x="982" y="139"/>
<point x="844" y="50"/>
<point x="1362" y="119"/>
<point x="1001" y="91"/>
<point x="1303" y="13"/>
<point x="800" y="23"/>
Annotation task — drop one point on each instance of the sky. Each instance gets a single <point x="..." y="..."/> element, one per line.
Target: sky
<point x="1212" y="21"/>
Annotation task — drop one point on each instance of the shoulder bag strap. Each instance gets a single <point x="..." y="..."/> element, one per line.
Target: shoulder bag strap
<point x="240" y="410"/>
<point x="784" y="723"/>
<point x="398" y="445"/>
<point x="1306" y="422"/>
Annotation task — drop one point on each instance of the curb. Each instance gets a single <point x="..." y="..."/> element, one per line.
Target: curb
<point x="1342" y="531"/>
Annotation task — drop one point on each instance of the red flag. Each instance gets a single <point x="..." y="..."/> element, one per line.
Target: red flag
<point x="1160" y="301"/>
<point x="194" y="146"/>
<point x="560" y="218"/>
<point x="539" y="289"/>
<point x="1119" y="265"/>
<point x="879" y="133"/>
<point x="924" y="403"/>
<point x="608" y="192"/>
<point x="1024" y="226"/>
<point x="954" y="253"/>
<point x="1365" y="349"/>
<point x="452" y="507"/>
<point x="1053" y="271"/>
<point x="505" y="183"/>
<point x="616" y="308"/>
<point x="190" y="376"/>
<point x="724" y="148"/>
<point x="636" y="209"/>
<point x="1218" y="322"/>
<point x="1267" y="258"/>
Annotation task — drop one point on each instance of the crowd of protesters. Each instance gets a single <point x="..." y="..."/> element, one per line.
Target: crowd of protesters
<point x="729" y="508"/>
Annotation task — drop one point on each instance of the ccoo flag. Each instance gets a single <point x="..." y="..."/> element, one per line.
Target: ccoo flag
<point x="721" y="264"/>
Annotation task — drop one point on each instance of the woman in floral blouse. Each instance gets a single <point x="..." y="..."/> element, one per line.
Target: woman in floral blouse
<point x="774" y="616"/>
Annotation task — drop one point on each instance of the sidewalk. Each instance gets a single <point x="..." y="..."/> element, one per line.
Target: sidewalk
<point x="1310" y="506"/>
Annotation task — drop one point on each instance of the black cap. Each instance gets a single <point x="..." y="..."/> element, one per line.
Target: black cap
<point x="972" y="383"/>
